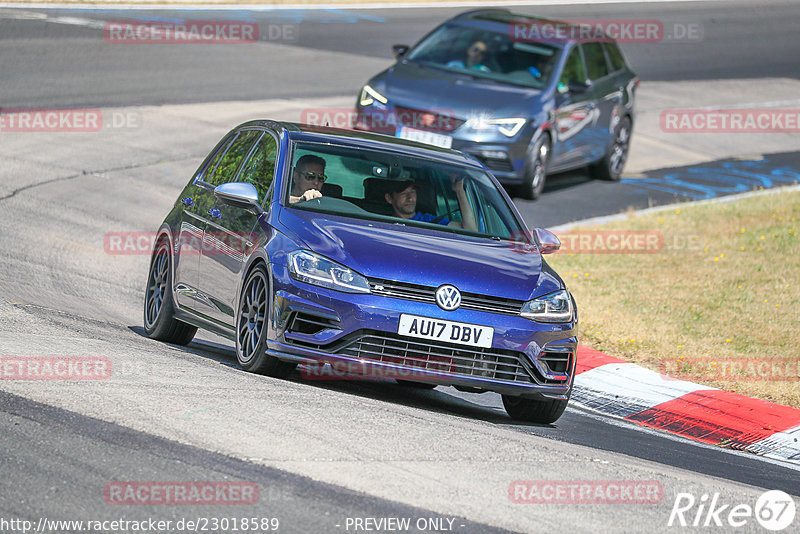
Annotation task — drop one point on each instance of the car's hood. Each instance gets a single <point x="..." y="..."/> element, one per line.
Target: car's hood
<point x="454" y="94"/>
<point x="421" y="256"/>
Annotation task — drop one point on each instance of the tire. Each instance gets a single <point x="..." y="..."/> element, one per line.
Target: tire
<point x="612" y="164"/>
<point x="159" y="311"/>
<point x="251" y="327"/>
<point x="534" y="411"/>
<point x="536" y="169"/>
<point x="416" y="385"/>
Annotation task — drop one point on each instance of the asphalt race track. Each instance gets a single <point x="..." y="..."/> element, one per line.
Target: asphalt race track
<point x="321" y="453"/>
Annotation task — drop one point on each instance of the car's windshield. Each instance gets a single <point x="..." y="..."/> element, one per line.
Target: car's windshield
<point x="487" y="54"/>
<point x="396" y="188"/>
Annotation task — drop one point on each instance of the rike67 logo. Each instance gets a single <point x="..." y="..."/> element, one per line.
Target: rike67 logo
<point x="774" y="510"/>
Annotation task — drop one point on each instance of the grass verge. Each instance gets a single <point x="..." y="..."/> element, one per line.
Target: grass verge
<point x="710" y="295"/>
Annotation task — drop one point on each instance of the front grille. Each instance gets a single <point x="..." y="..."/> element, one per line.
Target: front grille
<point x="421" y="293"/>
<point x="426" y="120"/>
<point x="453" y="359"/>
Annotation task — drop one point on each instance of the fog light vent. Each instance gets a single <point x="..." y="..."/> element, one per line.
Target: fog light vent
<point x="557" y="362"/>
<point x="306" y="323"/>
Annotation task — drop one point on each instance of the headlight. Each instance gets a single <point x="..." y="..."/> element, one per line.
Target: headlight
<point x="314" y="269"/>
<point x="370" y="95"/>
<point x="554" y="307"/>
<point x="508" y="127"/>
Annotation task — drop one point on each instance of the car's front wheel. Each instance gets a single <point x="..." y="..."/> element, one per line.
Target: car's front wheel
<point x="251" y="328"/>
<point x="534" y="411"/>
<point x="159" y="320"/>
<point x="611" y="166"/>
<point x="536" y="169"/>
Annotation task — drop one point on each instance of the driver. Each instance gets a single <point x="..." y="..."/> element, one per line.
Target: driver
<point x="402" y="196"/>
<point x="307" y="178"/>
<point x="474" y="57"/>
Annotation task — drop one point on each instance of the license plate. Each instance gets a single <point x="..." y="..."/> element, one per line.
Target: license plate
<point x="430" y="138"/>
<point x="473" y="335"/>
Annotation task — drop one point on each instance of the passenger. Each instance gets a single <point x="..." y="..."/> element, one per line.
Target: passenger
<point x="402" y="196"/>
<point x="307" y="178"/>
<point x="475" y="56"/>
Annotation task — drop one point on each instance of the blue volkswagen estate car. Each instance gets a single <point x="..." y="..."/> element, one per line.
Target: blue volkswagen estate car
<point x="490" y="84"/>
<point x="318" y="246"/>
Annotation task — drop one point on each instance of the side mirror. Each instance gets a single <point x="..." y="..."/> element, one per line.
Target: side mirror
<point x="399" y="50"/>
<point x="239" y="194"/>
<point x="548" y="240"/>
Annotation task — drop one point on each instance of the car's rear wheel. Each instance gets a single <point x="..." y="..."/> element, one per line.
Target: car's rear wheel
<point x="536" y="169"/>
<point x="159" y="320"/>
<point x="534" y="411"/>
<point x="611" y="166"/>
<point x="251" y="327"/>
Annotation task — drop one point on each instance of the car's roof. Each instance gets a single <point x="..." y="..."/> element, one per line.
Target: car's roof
<point x="504" y="16"/>
<point x="361" y="139"/>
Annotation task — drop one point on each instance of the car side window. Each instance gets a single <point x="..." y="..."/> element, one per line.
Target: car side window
<point x="207" y="169"/>
<point x="573" y="69"/>
<point x="259" y="170"/>
<point x="233" y="158"/>
<point x="595" y="60"/>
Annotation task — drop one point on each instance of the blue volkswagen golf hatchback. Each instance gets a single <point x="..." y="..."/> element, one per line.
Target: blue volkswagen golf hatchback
<point x="498" y="86"/>
<point x="326" y="247"/>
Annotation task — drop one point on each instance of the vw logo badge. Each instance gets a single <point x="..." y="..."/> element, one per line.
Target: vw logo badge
<point x="448" y="297"/>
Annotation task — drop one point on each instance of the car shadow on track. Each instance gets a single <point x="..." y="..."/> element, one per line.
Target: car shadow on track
<point x="207" y="349"/>
<point x="443" y="399"/>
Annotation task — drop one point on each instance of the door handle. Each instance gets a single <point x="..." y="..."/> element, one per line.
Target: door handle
<point x="187" y="202"/>
<point x="214" y="213"/>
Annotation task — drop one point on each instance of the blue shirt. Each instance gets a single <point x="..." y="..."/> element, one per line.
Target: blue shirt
<point x="428" y="218"/>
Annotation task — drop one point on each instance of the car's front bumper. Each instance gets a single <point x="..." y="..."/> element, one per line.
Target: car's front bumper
<point x="504" y="156"/>
<point x="359" y="333"/>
